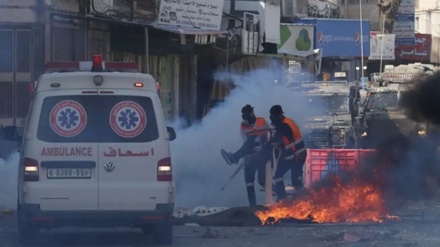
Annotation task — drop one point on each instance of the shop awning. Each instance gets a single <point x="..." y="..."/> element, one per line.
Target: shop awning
<point x="188" y="31"/>
<point x="201" y="37"/>
<point x="300" y="53"/>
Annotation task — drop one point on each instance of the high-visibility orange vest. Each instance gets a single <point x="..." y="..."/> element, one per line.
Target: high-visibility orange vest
<point x="259" y="129"/>
<point x="297" y="145"/>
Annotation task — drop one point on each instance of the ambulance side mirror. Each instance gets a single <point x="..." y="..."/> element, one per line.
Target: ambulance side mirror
<point x="172" y="133"/>
<point x="10" y="133"/>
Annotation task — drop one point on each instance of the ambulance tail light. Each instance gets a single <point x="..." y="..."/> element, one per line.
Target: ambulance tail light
<point x="31" y="170"/>
<point x="164" y="172"/>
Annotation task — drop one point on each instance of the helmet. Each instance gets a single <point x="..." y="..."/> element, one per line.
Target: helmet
<point x="247" y="109"/>
<point x="276" y="110"/>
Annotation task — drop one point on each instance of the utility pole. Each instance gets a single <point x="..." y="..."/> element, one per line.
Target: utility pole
<point x="362" y="41"/>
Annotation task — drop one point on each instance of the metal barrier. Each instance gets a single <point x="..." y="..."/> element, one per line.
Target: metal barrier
<point x="321" y="162"/>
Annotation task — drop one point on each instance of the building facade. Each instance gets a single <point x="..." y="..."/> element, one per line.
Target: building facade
<point x="34" y="32"/>
<point x="427" y="19"/>
<point x="351" y="9"/>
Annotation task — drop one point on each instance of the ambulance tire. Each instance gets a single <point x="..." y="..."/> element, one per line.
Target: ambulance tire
<point x="163" y="234"/>
<point x="27" y="234"/>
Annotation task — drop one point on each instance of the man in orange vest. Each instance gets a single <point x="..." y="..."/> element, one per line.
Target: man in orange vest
<point x="254" y="131"/>
<point x="293" y="151"/>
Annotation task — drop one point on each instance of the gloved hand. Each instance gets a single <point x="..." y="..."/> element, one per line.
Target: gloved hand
<point x="289" y="154"/>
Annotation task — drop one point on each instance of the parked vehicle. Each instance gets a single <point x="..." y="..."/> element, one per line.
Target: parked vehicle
<point x="95" y="152"/>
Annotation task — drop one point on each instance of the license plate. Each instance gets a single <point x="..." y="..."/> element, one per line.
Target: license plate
<point x="68" y="173"/>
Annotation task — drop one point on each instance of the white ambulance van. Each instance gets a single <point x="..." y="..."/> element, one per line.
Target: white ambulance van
<point x="95" y="152"/>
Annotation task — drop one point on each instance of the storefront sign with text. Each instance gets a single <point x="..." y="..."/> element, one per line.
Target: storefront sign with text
<point x="420" y="52"/>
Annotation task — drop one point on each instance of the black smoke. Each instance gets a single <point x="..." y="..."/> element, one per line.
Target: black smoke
<point x="422" y="102"/>
<point x="405" y="167"/>
<point x="409" y="165"/>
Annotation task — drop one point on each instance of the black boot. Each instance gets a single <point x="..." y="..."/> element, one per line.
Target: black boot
<point x="229" y="157"/>
<point x="280" y="190"/>
<point x="251" y="196"/>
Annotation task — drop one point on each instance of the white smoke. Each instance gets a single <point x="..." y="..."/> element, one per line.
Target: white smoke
<point x="8" y="182"/>
<point x="199" y="169"/>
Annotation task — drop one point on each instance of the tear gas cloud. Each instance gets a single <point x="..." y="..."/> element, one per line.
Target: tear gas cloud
<point x="199" y="169"/>
<point x="8" y="182"/>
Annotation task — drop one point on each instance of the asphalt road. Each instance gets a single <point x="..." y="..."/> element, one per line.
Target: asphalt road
<point x="411" y="232"/>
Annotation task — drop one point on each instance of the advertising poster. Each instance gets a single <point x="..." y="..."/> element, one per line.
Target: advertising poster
<point x="296" y="39"/>
<point x="404" y="23"/>
<point x="382" y="46"/>
<point x="203" y="14"/>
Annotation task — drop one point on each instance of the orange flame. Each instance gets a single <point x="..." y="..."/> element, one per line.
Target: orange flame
<point x="354" y="202"/>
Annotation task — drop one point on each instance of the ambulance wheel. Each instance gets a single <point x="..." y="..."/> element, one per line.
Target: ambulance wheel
<point x="163" y="234"/>
<point x="27" y="234"/>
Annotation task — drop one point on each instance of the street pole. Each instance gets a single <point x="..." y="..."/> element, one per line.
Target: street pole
<point x="147" y="52"/>
<point x="381" y="48"/>
<point x="362" y="41"/>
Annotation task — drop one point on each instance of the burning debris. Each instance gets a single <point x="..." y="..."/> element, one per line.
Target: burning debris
<point x="353" y="202"/>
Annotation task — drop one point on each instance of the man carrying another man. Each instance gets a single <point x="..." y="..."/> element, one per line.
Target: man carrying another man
<point x="257" y="149"/>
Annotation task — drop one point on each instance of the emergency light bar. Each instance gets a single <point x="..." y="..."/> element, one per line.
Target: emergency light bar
<point x="92" y="66"/>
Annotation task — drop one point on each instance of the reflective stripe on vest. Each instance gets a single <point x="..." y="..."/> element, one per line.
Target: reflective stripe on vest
<point x="260" y="129"/>
<point x="297" y="146"/>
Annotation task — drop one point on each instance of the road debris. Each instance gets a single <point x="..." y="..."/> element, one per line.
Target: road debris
<point x="209" y="233"/>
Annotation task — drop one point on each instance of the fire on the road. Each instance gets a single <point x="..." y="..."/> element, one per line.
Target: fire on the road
<point x="356" y="201"/>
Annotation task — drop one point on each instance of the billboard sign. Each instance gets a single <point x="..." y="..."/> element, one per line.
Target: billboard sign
<point x="381" y="46"/>
<point x="404" y="23"/>
<point x="341" y="38"/>
<point x="206" y="15"/>
<point x="419" y="52"/>
<point x="296" y="39"/>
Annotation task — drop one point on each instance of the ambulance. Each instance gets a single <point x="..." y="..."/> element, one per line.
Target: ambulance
<point x="95" y="152"/>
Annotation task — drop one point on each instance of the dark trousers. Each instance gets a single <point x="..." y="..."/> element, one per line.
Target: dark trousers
<point x="296" y="168"/>
<point x="251" y="167"/>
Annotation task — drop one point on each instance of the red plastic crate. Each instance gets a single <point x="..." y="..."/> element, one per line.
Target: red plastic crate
<point x="320" y="162"/>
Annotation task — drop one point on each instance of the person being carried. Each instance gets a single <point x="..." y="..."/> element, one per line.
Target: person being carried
<point x="254" y="132"/>
<point x="287" y="136"/>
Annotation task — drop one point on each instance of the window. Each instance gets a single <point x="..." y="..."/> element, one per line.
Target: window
<point x="6" y="51"/>
<point x="6" y="92"/>
<point x="417" y="24"/>
<point x="23" y="98"/>
<point x="329" y="103"/>
<point x="23" y="51"/>
<point x="384" y="101"/>
<point x="97" y="128"/>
